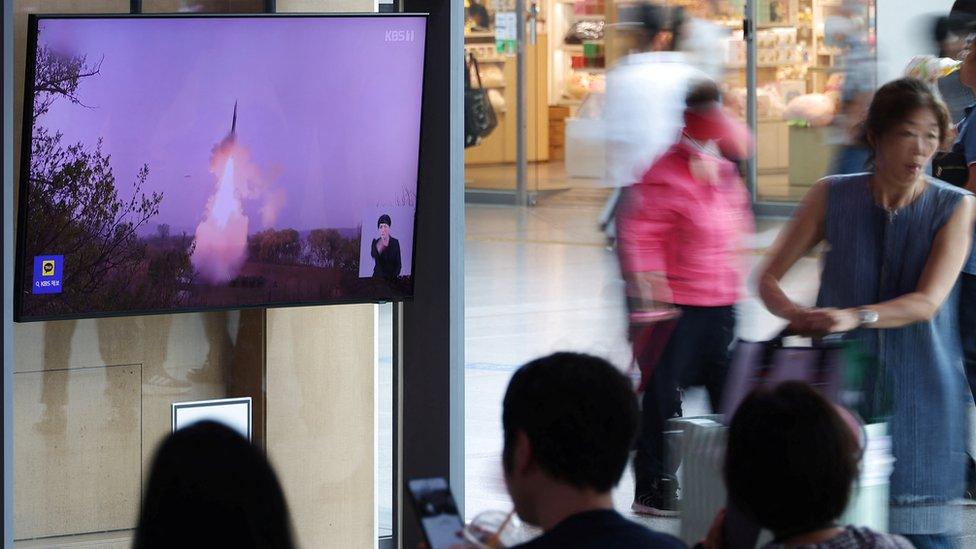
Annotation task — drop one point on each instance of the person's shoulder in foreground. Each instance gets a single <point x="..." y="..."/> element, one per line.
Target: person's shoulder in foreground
<point x="854" y="537"/>
<point x="599" y="529"/>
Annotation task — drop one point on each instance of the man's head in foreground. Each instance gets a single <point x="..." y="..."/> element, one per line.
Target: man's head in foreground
<point x="569" y="421"/>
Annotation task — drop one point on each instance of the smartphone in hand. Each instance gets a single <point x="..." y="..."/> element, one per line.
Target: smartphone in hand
<point x="437" y="512"/>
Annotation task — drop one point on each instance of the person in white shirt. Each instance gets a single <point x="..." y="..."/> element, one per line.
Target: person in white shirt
<point x="644" y="102"/>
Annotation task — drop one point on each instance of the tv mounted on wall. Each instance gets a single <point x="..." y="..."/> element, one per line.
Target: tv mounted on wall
<point x="187" y="163"/>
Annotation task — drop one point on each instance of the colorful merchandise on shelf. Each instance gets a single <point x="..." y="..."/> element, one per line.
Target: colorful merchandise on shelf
<point x="592" y="49"/>
<point x="813" y="109"/>
<point x="595" y="62"/>
<point x="589" y="7"/>
<point x="582" y="31"/>
<point x="580" y="84"/>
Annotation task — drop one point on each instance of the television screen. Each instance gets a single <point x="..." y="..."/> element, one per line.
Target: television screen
<point x="181" y="163"/>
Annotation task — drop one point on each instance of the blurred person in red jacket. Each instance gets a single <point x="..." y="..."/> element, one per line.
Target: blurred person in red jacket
<point x="682" y="229"/>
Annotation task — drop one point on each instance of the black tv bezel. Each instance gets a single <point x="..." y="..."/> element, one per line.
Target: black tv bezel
<point x="25" y="163"/>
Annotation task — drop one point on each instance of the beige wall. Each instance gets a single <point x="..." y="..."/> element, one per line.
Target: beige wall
<point x="92" y="397"/>
<point x="321" y="423"/>
<point x="92" y="401"/>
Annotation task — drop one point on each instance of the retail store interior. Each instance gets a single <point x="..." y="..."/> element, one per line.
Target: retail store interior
<point x="578" y="41"/>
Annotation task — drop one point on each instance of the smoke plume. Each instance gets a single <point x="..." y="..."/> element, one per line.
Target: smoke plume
<point x="221" y="238"/>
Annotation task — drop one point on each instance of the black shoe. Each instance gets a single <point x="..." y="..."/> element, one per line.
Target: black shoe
<point x="661" y="501"/>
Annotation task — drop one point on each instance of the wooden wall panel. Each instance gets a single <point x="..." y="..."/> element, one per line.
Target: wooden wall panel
<point x="321" y="421"/>
<point x="76" y="469"/>
<point x="69" y="397"/>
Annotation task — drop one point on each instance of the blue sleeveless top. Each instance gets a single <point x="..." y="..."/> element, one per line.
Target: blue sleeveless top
<point x="873" y="256"/>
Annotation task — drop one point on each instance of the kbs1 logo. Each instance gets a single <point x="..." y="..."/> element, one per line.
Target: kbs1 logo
<point x="48" y="274"/>
<point x="399" y="36"/>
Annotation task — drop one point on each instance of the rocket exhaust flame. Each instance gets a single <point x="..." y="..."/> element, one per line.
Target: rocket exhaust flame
<point x="221" y="238"/>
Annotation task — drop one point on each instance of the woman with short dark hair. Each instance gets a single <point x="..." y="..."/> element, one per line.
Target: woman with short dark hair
<point x="790" y="466"/>
<point x="896" y="240"/>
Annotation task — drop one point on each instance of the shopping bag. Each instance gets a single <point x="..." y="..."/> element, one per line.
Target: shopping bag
<point x="869" y="501"/>
<point x="841" y="370"/>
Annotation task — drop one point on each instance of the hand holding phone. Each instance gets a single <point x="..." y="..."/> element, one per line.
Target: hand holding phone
<point x="437" y="512"/>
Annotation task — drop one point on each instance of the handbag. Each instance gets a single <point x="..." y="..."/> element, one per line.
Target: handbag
<point x="840" y="370"/>
<point x="769" y="363"/>
<point x="479" y="116"/>
<point x="951" y="167"/>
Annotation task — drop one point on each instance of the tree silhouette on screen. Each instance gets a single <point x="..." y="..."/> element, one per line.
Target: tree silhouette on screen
<point x="75" y="210"/>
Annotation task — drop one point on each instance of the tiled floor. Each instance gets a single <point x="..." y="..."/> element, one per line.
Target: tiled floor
<point x="539" y="280"/>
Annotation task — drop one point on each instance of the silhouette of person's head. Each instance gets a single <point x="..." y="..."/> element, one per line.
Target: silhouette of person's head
<point x="210" y="487"/>
<point x="569" y="419"/>
<point x="791" y="459"/>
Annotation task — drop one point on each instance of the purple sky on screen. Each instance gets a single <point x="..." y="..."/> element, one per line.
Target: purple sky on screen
<point x="328" y="109"/>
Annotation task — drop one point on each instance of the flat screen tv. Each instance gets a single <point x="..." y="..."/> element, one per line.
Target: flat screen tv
<point x="187" y="163"/>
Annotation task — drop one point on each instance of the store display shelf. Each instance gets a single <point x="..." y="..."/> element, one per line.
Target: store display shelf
<point x="569" y="102"/>
<point x="588" y="16"/>
<point x="484" y="60"/>
<point x="595" y="70"/>
<point x="826" y="69"/>
<point x="479" y="34"/>
<point x="578" y="47"/>
<point x="763" y="26"/>
<point x="742" y="66"/>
